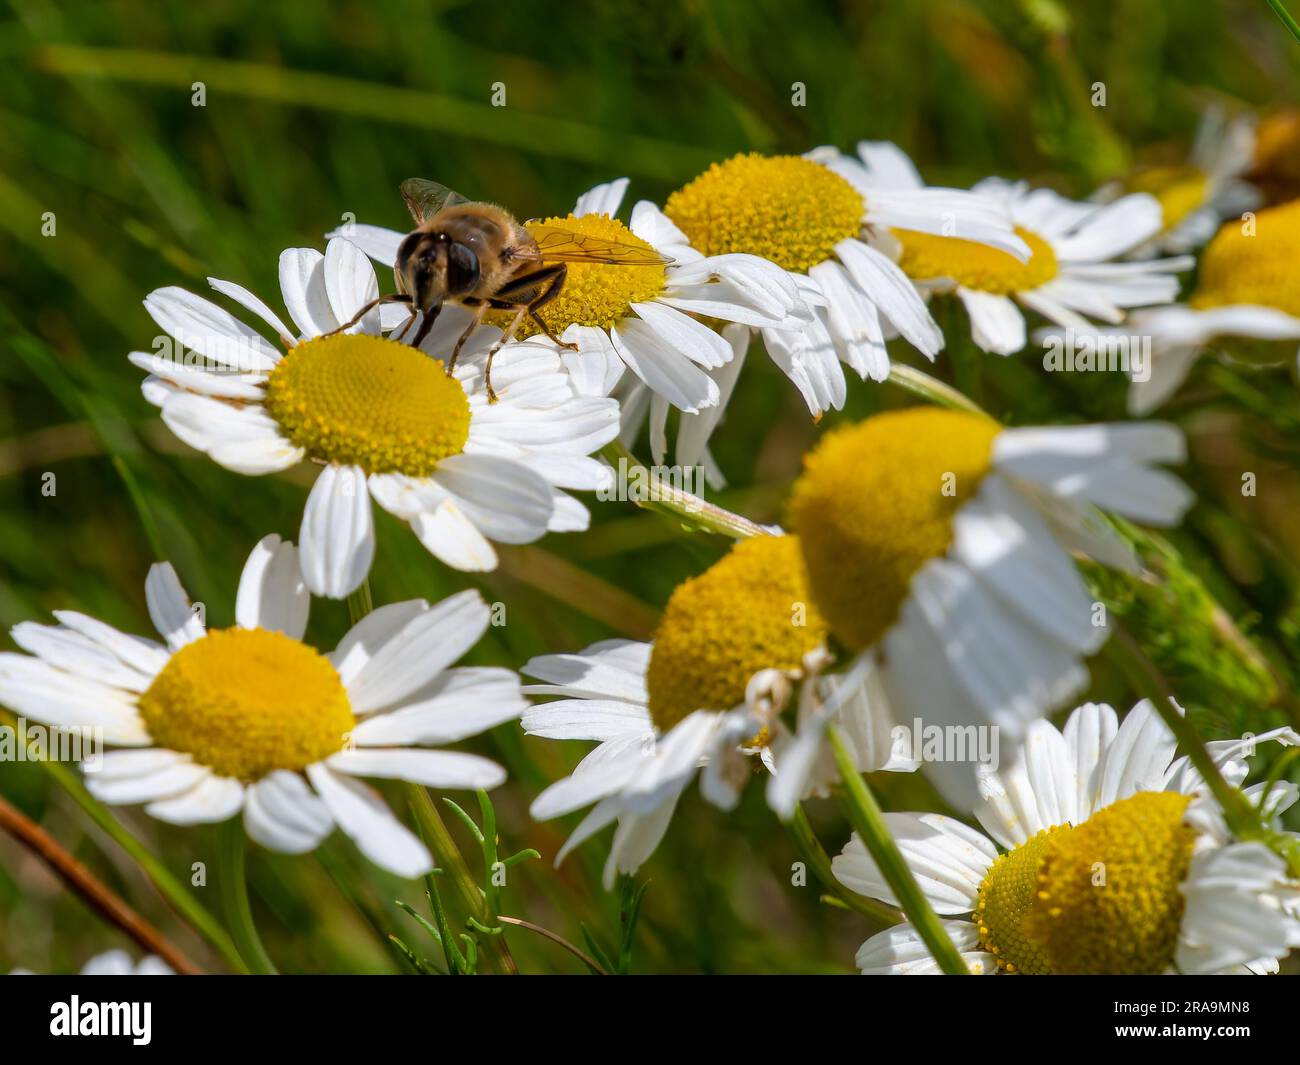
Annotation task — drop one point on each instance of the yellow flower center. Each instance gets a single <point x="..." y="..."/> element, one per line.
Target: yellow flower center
<point x="1005" y="898"/>
<point x="247" y="701"/>
<point x="362" y="400"/>
<point x="976" y="266"/>
<point x="875" y="503"/>
<point x="596" y="294"/>
<point x="748" y="612"/>
<point x="1254" y="264"/>
<point x="784" y="208"/>
<point x="1180" y="190"/>
<point x="1103" y="897"/>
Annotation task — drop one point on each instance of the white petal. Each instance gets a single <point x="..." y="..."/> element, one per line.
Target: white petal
<point x="996" y="323"/>
<point x="456" y="704"/>
<point x="361" y="813"/>
<point x="900" y="951"/>
<point x="302" y="284"/>
<point x="283" y="814"/>
<point x="350" y="284"/>
<point x="410" y="657"/>
<point x="213" y="332"/>
<point x="948" y="859"/>
<point x="433" y="769"/>
<point x="661" y="366"/>
<point x="169" y="607"/>
<point x="211" y="800"/>
<point x="272" y="594"/>
<point x="379" y="243"/>
<point x="125" y="777"/>
<point x="337" y="538"/>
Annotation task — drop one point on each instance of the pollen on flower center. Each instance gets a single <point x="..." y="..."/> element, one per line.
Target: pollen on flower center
<point x="595" y="294"/>
<point x="1100" y="897"/>
<point x="1005" y="898"/>
<point x="1253" y="263"/>
<point x="1108" y="891"/>
<point x="748" y="612"/>
<point x="1180" y="190"/>
<point x="366" y="401"/>
<point x="784" y="208"/>
<point x="976" y="266"/>
<point x="876" y="502"/>
<point x="248" y="701"/>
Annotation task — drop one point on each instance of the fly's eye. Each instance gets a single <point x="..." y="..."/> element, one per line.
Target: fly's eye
<point x="462" y="269"/>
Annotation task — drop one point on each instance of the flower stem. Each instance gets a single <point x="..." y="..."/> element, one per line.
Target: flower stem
<point x="815" y="857"/>
<point x="1279" y="9"/>
<point x="869" y="822"/>
<point x="434" y="830"/>
<point x="1146" y="677"/>
<point x="176" y="894"/>
<point x="931" y="389"/>
<point x="231" y="852"/>
<point x="694" y="511"/>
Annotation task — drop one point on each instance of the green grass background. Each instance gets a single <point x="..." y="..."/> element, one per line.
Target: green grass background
<point x="315" y="109"/>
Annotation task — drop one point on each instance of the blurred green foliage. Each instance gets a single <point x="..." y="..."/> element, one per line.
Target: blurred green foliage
<point x="317" y="109"/>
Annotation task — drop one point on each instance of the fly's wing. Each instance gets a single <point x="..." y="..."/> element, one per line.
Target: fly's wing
<point x="556" y="244"/>
<point x="424" y="199"/>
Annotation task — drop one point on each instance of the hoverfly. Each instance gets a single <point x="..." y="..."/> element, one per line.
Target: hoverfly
<point x="478" y="255"/>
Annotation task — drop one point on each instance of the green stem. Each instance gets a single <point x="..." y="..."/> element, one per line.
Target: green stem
<point x="180" y="898"/>
<point x="1146" y="677"/>
<point x="869" y="822"/>
<point x="931" y="389"/>
<point x="693" y="510"/>
<point x="815" y="857"/>
<point x="360" y="603"/>
<point x="231" y="852"/>
<point x="1282" y="13"/>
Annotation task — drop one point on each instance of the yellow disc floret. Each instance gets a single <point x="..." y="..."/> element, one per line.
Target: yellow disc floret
<point x="1108" y="891"/>
<point x="1005" y="897"/>
<point x="1179" y="189"/>
<point x="366" y="401"/>
<point x="1253" y="263"/>
<point x="784" y="208"/>
<point x="245" y="702"/>
<point x="976" y="266"/>
<point x="595" y="294"/>
<point x="748" y="612"/>
<point x="875" y="503"/>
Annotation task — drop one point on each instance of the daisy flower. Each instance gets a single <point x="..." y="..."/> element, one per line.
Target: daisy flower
<point x="1101" y="799"/>
<point x="1196" y="197"/>
<point x="1245" y="304"/>
<point x="117" y="963"/>
<point x="645" y="318"/>
<point x="1070" y="275"/>
<point x="811" y="219"/>
<point x="938" y="549"/>
<point x="708" y="691"/>
<point x="251" y="720"/>
<point x="381" y="419"/>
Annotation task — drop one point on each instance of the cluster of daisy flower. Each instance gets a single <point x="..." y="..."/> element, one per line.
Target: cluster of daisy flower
<point x="927" y="575"/>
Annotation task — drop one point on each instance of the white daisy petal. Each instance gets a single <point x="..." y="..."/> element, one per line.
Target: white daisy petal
<point x="456" y="704"/>
<point x="434" y="769"/>
<point x="411" y="656"/>
<point x="362" y="814"/>
<point x="302" y="283"/>
<point x="283" y="814"/>
<point x="337" y="538"/>
<point x="212" y="799"/>
<point x="948" y="859"/>
<point x="900" y="951"/>
<point x="272" y="594"/>
<point x="169" y="607"/>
